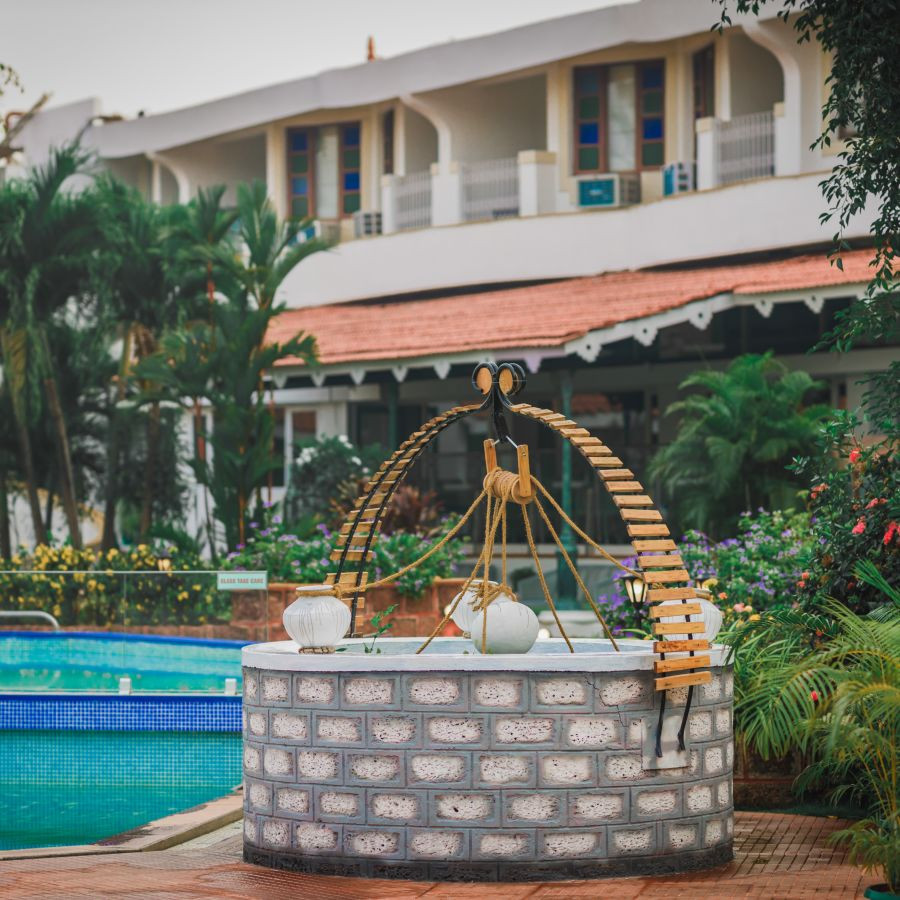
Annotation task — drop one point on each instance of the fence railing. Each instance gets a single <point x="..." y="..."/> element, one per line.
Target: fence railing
<point x="412" y="198"/>
<point x="490" y="189"/>
<point x="745" y="147"/>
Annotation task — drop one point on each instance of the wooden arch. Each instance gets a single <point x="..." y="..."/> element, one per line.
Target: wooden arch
<point x="661" y="567"/>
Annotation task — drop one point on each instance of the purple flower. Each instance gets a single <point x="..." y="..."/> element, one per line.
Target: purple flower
<point x="240" y="546"/>
<point x="324" y="529"/>
<point x="265" y="532"/>
<point x="276" y="520"/>
<point x="254" y="524"/>
<point x="268" y="504"/>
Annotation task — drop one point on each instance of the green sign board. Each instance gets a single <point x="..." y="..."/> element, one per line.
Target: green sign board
<point x="242" y="581"/>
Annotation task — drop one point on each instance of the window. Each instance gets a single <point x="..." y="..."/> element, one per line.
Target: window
<point x="387" y="146"/>
<point x="704" y="63"/>
<point x="618" y="117"/>
<point x="300" y="142"/>
<point x="350" y="172"/>
<point x="324" y="171"/>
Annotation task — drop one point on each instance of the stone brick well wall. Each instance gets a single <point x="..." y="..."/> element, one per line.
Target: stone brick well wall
<point x="480" y="775"/>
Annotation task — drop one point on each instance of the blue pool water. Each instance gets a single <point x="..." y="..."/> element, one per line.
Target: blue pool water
<point x="79" y="763"/>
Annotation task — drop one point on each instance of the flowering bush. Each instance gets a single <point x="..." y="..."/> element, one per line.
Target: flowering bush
<point x="758" y="569"/>
<point x="288" y="557"/>
<point x="856" y="516"/>
<point x="113" y="588"/>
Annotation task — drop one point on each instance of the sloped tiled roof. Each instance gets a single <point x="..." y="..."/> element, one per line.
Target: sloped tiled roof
<point x="546" y="315"/>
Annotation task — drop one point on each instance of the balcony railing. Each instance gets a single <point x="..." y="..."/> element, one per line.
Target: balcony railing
<point x="412" y="196"/>
<point x="490" y="189"/>
<point x="745" y="148"/>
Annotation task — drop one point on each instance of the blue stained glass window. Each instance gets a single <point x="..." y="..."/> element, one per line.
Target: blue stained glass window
<point x="351" y="181"/>
<point x="588" y="133"/>
<point x="652" y="76"/>
<point x="299" y="185"/>
<point x="586" y="81"/>
<point x="298" y="141"/>
<point x="653" y="129"/>
<point x="351" y="136"/>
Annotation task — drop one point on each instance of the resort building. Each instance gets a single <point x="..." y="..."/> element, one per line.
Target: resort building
<point x="612" y="199"/>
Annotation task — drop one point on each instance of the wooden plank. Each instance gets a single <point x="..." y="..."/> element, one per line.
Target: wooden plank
<point x="632" y="500"/>
<point x="685" y="593"/>
<point x="641" y="515"/>
<point x="674" y="681"/>
<point x="614" y="474"/>
<point x="612" y="462"/>
<point x="679" y="665"/>
<point x="680" y="646"/>
<point x="623" y="486"/>
<point x="675" y="609"/>
<point x="647" y="531"/>
<point x="576" y="434"/>
<point x="352" y="555"/>
<point x="679" y="627"/>
<point x="660" y="562"/>
<point x="649" y="546"/>
<point x="590" y="450"/>
<point x="663" y="575"/>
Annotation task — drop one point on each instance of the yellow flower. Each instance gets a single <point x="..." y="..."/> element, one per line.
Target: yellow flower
<point x="754" y="617"/>
<point x="196" y="587"/>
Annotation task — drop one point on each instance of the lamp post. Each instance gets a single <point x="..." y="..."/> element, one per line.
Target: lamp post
<point x="635" y="588"/>
<point x="164" y="561"/>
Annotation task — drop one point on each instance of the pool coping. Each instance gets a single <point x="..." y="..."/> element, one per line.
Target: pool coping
<point x="159" y="834"/>
<point x="283" y="656"/>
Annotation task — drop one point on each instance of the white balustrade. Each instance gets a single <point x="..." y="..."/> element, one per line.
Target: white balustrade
<point x="412" y="201"/>
<point x="745" y="148"/>
<point x="490" y="189"/>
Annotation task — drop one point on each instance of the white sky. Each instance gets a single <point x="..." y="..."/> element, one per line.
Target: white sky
<point x="157" y="55"/>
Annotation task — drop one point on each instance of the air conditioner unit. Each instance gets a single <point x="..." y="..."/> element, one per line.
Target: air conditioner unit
<point x="678" y="178"/>
<point x="609" y="190"/>
<point x="366" y="223"/>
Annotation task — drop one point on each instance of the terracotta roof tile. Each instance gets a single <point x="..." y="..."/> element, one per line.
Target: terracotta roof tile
<point x="546" y="315"/>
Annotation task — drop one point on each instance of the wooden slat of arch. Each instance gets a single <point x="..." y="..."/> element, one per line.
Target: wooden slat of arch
<point x="675" y="681"/>
<point x="632" y="500"/>
<point x="647" y="531"/>
<point x="679" y="627"/>
<point x="641" y="515"/>
<point x="675" y="609"/>
<point x="656" y="594"/>
<point x="681" y="663"/>
<point x="660" y="576"/>
<point x="621" y="487"/>
<point x="654" y="545"/>
<point x="660" y="562"/>
<point x="680" y="646"/>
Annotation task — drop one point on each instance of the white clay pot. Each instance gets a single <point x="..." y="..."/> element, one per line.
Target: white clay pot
<point x="464" y="615"/>
<point x="316" y="620"/>
<point x="511" y="628"/>
<point x="712" y="621"/>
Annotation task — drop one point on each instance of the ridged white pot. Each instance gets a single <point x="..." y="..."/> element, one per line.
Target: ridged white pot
<point x="511" y="628"/>
<point x="712" y="621"/>
<point x="464" y="615"/>
<point x="316" y="620"/>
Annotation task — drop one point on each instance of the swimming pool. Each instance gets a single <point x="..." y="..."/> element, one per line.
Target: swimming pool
<point x="79" y="762"/>
<point x="87" y="661"/>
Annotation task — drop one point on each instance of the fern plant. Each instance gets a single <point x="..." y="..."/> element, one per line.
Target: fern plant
<point x="828" y="684"/>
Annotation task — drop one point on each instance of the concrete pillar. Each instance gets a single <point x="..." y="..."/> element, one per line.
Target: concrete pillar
<point x="388" y="204"/>
<point x="707" y="174"/>
<point x="537" y="182"/>
<point x="446" y="194"/>
<point x="276" y="169"/>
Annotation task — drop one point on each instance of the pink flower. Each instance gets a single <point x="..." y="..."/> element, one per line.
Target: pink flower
<point x="892" y="529"/>
<point x="738" y="607"/>
<point x="876" y="502"/>
<point x="814" y="696"/>
<point x="860" y="526"/>
<point x="854" y="454"/>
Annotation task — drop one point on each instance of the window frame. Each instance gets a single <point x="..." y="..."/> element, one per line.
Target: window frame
<point x="311" y="132"/>
<point x="343" y="169"/>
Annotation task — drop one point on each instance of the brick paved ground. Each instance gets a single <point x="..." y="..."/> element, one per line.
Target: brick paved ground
<point x="776" y="856"/>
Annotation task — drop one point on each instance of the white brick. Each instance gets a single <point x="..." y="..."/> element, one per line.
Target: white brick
<point x="722" y="793"/>
<point x="593" y="731"/>
<point x="619" y="691"/>
<point x="455" y="731"/>
<point x="569" y="844"/>
<point x="502" y="844"/>
<point x="311" y="836"/>
<point x="700" y="725"/>
<point x="277" y="761"/>
<point x="276" y="833"/>
<point x="436" y="844"/>
<point x="339" y="728"/>
<point x="567" y="769"/>
<point x="285" y="725"/>
<point x="713" y="760"/>
<point x="656" y="802"/>
<point x="723" y="722"/>
<point x="562" y="692"/>
<point x="713" y="690"/>
<point x="438" y="768"/>
<point x="682" y="835"/>
<point x="434" y="691"/>
<point x="337" y="803"/>
<point x="599" y="807"/>
<point x="464" y="806"/>
<point x="523" y="730"/>
<point x="275" y="688"/>
<point x="633" y="841"/>
<point x="314" y="690"/>
<point x="534" y="807"/>
<point x="251" y="759"/>
<point x="313" y="765"/>
<point x="292" y="800"/>
<point x="375" y="843"/>
<point x="258" y="795"/>
<point x="504" y="769"/>
<point x="395" y="806"/>
<point x="623" y="768"/>
<point x="257" y="723"/>
<point x="498" y="692"/>
<point x="714" y="832"/>
<point x="393" y="730"/>
<point x="368" y="691"/>
<point x="250" y="829"/>
<point x="375" y="768"/>
<point x="698" y="798"/>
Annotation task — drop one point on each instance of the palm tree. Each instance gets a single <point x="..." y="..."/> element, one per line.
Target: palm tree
<point x="735" y="438"/>
<point x="47" y="238"/>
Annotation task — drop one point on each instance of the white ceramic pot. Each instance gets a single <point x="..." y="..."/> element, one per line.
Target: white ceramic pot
<point x="316" y="620"/>
<point x="712" y="620"/>
<point x="511" y="628"/>
<point x="464" y="615"/>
